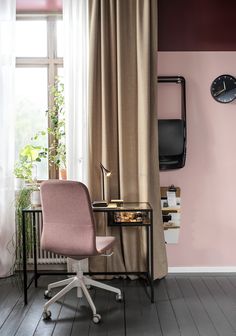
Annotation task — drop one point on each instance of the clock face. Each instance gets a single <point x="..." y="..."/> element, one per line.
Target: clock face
<point x="223" y="89"/>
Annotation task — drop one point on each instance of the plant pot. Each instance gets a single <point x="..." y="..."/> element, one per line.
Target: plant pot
<point x="62" y="174"/>
<point x="35" y="198"/>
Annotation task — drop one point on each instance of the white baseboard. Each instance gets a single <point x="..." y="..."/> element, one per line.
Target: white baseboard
<point x="215" y="269"/>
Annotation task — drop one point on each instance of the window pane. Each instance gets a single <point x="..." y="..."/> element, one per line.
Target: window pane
<point x="31" y="38"/>
<point x="31" y="104"/>
<point x="59" y="38"/>
<point x="60" y="73"/>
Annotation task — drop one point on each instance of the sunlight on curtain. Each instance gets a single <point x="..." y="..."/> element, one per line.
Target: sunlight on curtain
<point x="7" y="67"/>
<point x="75" y="19"/>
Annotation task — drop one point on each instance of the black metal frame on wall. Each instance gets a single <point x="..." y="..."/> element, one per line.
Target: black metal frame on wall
<point x="172" y="133"/>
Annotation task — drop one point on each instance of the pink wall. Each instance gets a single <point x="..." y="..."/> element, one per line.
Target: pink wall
<point x="38" y="6"/>
<point x="208" y="181"/>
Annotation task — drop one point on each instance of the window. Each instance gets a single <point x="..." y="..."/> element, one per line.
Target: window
<point x="31" y="38"/>
<point x="39" y="52"/>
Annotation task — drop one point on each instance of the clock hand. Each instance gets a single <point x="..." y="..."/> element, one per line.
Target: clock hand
<point x="224" y="85"/>
<point x="219" y="92"/>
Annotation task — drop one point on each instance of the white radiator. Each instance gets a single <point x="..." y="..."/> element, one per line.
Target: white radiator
<point x="43" y="257"/>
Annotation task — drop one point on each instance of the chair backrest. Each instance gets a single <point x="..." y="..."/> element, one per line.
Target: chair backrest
<point x="68" y="222"/>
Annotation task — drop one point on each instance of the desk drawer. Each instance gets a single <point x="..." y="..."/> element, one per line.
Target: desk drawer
<point x="129" y="218"/>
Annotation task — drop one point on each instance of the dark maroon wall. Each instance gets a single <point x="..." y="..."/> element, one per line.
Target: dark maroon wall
<point x="197" y="25"/>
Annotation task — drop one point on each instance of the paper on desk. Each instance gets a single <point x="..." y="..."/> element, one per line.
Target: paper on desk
<point x="112" y="205"/>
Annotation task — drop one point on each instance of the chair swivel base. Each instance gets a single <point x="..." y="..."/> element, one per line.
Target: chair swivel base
<point x="81" y="283"/>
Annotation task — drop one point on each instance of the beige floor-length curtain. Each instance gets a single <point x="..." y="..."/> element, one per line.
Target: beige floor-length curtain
<point x="122" y="121"/>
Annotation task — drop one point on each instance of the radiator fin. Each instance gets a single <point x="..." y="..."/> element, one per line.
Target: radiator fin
<point x="43" y="257"/>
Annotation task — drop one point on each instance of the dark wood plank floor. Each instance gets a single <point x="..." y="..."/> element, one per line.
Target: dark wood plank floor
<point x="185" y="305"/>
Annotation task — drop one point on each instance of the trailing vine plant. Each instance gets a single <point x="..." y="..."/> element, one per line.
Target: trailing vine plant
<point x="56" y="114"/>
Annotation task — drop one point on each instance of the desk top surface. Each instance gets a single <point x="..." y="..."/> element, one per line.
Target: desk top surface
<point x="127" y="206"/>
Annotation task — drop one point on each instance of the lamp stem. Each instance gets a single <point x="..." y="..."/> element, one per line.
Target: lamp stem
<point x="103" y="187"/>
<point x="105" y="172"/>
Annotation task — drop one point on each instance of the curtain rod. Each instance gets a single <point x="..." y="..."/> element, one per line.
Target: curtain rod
<point x="37" y="14"/>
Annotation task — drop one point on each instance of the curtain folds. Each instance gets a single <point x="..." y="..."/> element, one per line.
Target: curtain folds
<point x="122" y="121"/>
<point x="7" y="67"/>
<point x="75" y="21"/>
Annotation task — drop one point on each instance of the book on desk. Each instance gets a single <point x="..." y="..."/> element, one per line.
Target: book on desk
<point x="111" y="204"/>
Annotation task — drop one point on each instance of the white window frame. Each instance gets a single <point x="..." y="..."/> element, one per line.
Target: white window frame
<point x="51" y="62"/>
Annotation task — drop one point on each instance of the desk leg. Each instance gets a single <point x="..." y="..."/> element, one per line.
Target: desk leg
<point x="151" y="244"/>
<point x="35" y="253"/>
<point x="148" y="255"/>
<point x="24" y="257"/>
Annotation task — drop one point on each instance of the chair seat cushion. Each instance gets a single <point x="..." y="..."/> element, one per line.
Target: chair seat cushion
<point x="104" y="243"/>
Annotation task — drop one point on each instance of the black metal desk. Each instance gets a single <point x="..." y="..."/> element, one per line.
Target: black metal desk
<point x="129" y="214"/>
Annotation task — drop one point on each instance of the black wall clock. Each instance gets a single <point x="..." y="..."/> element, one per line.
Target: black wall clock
<point x="223" y="89"/>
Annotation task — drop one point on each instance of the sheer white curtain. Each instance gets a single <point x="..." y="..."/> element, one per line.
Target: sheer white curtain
<point x="75" y="18"/>
<point x="7" y="67"/>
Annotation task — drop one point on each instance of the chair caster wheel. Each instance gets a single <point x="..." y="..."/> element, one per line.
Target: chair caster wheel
<point x="47" y="294"/>
<point x="96" y="318"/>
<point x="47" y="315"/>
<point x="119" y="297"/>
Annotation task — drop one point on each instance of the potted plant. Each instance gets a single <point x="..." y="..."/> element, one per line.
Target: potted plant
<point x="27" y="190"/>
<point x="56" y="114"/>
<point x="28" y="157"/>
<point x="21" y="173"/>
<point x="26" y="169"/>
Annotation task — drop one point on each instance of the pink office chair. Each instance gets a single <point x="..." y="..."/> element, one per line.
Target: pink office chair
<point x="69" y="230"/>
